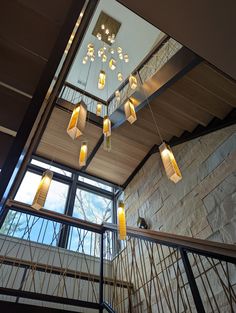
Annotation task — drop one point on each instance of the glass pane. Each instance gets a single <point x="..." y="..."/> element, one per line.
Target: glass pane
<point x="31" y="228"/>
<point x="57" y="194"/>
<point x="52" y="168"/>
<point x="95" y="183"/>
<point x="91" y="207"/>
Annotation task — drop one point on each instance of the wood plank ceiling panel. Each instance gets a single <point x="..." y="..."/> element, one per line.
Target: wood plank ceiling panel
<point x="56" y="143"/>
<point x="125" y="155"/>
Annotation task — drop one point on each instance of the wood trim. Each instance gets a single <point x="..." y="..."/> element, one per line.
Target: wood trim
<point x="226" y="252"/>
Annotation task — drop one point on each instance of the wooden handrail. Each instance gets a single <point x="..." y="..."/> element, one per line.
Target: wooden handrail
<point x="226" y="252"/>
<point x="54" y="216"/>
<point x="222" y="251"/>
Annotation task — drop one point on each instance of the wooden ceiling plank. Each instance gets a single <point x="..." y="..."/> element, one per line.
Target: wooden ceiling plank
<point x="166" y="110"/>
<point x="214" y="81"/>
<point x="186" y="108"/>
<point x="199" y="97"/>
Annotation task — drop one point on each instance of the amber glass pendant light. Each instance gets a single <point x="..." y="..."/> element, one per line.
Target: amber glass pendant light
<point x="121" y="221"/>
<point x="106" y="126"/>
<point x="133" y="82"/>
<point x="130" y="111"/>
<point x="101" y="80"/>
<point x="107" y="143"/>
<point x="83" y="154"/>
<point x="77" y="121"/>
<point x="169" y="162"/>
<point x="42" y="191"/>
<point x="99" y="109"/>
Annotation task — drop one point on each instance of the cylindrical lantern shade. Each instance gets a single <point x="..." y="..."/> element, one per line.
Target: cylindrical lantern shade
<point x="83" y="154"/>
<point x="106" y="126"/>
<point x="133" y="82"/>
<point x="169" y="162"/>
<point x="42" y="191"/>
<point x="101" y="80"/>
<point x="77" y="121"/>
<point x="130" y="111"/>
<point x="121" y="221"/>
<point x="99" y="109"/>
<point x="107" y="143"/>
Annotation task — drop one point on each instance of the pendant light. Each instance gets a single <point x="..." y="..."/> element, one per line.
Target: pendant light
<point x="117" y="95"/>
<point x="121" y="221"/>
<point x="106" y="126"/>
<point x="169" y="162"/>
<point x="171" y="167"/>
<point x="83" y="154"/>
<point x="133" y="82"/>
<point x="42" y="191"/>
<point x="99" y="109"/>
<point x="112" y="64"/>
<point x="77" y="121"/>
<point x="130" y="111"/>
<point x="101" y="80"/>
<point x="120" y="76"/>
<point x="107" y="143"/>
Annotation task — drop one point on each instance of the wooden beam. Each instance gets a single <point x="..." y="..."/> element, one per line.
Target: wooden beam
<point x="182" y="62"/>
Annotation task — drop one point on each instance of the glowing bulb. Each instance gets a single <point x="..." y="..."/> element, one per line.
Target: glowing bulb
<point x="112" y="64"/>
<point x="120" y="56"/>
<point x="99" y="36"/>
<point x="112" y="51"/>
<point x="133" y="82"/>
<point x="102" y="26"/>
<point x="107" y="31"/>
<point x="126" y="58"/>
<point x="104" y="58"/>
<point x="119" y="50"/>
<point x="101" y="80"/>
<point x="120" y="76"/>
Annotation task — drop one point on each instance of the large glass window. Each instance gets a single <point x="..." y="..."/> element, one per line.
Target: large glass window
<point x="91" y="200"/>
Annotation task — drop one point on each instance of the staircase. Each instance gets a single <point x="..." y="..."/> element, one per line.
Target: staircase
<point x="151" y="272"/>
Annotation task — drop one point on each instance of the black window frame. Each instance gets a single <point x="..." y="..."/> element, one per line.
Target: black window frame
<point x="73" y="183"/>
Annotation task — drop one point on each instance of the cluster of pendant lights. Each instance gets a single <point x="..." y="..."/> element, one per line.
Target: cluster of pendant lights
<point x="78" y="122"/>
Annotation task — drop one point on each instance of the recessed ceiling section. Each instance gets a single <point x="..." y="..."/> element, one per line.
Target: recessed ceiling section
<point x="114" y="35"/>
<point x="106" y="28"/>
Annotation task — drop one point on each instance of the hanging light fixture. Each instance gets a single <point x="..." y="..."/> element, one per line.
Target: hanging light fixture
<point x="99" y="109"/>
<point x="169" y="162"/>
<point x="42" y="191"/>
<point x="121" y="220"/>
<point x="126" y="58"/>
<point x="117" y="94"/>
<point x="133" y="82"/>
<point x="104" y="58"/>
<point x="112" y="64"/>
<point x="83" y="154"/>
<point x="107" y="143"/>
<point x="106" y="126"/>
<point x="120" y="76"/>
<point x="77" y="121"/>
<point x="101" y="80"/>
<point x="130" y="111"/>
<point x="90" y="49"/>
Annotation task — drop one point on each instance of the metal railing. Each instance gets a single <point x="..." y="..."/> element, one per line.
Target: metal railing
<point x="153" y="272"/>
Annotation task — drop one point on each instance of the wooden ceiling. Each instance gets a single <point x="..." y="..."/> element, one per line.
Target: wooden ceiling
<point x="28" y="32"/>
<point x="196" y="99"/>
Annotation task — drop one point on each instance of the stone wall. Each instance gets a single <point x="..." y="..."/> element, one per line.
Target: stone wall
<point x="203" y="203"/>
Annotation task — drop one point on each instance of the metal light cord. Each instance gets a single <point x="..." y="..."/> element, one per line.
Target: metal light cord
<point x="149" y="105"/>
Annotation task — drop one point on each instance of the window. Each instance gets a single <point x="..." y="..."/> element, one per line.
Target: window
<point x="87" y="203"/>
<point x="51" y="167"/>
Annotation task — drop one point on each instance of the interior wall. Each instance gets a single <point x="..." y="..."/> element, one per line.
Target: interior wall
<point x="203" y="203"/>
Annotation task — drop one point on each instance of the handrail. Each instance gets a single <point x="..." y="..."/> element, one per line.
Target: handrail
<point x="54" y="216"/>
<point x="222" y="251"/>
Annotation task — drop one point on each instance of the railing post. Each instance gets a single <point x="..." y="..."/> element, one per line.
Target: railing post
<point x="192" y="283"/>
<point x="101" y="275"/>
